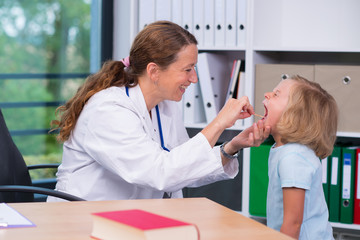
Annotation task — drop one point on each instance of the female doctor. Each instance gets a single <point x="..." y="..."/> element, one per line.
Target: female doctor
<point x="123" y="132"/>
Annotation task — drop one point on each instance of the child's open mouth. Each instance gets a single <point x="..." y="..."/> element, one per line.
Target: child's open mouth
<point x="266" y="113"/>
<point x="263" y="117"/>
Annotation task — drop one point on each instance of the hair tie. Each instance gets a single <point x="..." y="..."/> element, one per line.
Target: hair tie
<point x="126" y="61"/>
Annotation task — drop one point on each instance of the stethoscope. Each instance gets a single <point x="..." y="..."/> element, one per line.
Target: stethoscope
<point x="166" y="195"/>
<point x="159" y="123"/>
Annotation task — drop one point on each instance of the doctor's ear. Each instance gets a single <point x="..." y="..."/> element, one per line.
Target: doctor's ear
<point x="152" y="70"/>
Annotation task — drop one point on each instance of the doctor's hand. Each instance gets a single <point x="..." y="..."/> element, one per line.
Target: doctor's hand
<point x="233" y="110"/>
<point x="251" y="137"/>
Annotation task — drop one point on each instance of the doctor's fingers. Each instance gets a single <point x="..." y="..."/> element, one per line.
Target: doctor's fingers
<point x="258" y="130"/>
<point x="238" y="104"/>
<point x="237" y="109"/>
<point x="261" y="132"/>
<point x="229" y="114"/>
<point x="246" y="109"/>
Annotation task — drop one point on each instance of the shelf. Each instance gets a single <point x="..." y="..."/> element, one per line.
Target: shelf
<point x="225" y="48"/>
<point x="345" y="226"/>
<point x="307" y="57"/>
<point x="307" y="49"/>
<point x="348" y="134"/>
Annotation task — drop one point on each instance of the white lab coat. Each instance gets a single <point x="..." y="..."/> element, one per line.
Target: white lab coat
<point x="115" y="153"/>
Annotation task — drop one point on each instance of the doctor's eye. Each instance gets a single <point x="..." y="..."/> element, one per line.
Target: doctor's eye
<point x="190" y="69"/>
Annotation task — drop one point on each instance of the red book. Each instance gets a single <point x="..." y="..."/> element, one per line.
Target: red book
<point x="138" y="224"/>
<point x="357" y="188"/>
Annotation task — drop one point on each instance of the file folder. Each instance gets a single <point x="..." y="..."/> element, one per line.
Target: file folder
<point x="259" y="179"/>
<point x="146" y="13"/>
<point x="326" y="166"/>
<point x="241" y="81"/>
<point x="357" y="188"/>
<point x="213" y="73"/>
<point x="198" y="26"/>
<point x="199" y="111"/>
<point x="209" y="29"/>
<point x="163" y="10"/>
<point x="335" y="184"/>
<point x="241" y="89"/>
<point x="241" y="23"/>
<point x="189" y="104"/>
<point x="219" y="23"/>
<point x="176" y="12"/>
<point x="230" y="23"/>
<point x="348" y="179"/>
<point x="233" y="79"/>
<point x="187" y="13"/>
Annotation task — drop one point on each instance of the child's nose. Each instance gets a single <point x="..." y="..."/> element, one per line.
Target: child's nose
<point x="267" y="95"/>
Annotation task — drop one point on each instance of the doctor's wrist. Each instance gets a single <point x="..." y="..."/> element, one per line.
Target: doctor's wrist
<point x="227" y="152"/>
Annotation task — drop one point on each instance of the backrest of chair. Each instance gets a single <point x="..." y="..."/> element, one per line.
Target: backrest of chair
<point x="13" y="169"/>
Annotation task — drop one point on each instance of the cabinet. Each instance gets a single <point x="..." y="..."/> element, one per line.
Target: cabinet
<point x="303" y="33"/>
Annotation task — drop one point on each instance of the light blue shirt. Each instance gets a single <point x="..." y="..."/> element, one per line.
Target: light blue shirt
<point x="296" y="165"/>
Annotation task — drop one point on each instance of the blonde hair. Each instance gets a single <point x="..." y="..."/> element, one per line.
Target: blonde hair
<point x="159" y="42"/>
<point x="310" y="118"/>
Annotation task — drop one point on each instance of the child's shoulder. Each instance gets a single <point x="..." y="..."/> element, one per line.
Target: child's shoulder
<point x="297" y="147"/>
<point x="291" y="150"/>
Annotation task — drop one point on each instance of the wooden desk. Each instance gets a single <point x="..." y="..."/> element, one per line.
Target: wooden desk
<point x="72" y="220"/>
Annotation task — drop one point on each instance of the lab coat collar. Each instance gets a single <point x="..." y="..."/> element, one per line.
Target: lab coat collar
<point x="138" y="99"/>
<point x="136" y="96"/>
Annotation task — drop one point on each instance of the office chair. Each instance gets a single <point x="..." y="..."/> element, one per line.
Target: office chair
<point x="15" y="181"/>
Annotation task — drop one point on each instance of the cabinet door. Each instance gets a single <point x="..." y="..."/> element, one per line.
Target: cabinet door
<point x="267" y="76"/>
<point x="343" y="83"/>
<point x="227" y="193"/>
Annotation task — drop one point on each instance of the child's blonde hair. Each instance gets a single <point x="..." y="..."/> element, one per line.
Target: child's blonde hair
<point x="310" y="118"/>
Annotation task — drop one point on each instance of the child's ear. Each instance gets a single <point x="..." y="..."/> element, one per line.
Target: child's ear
<point x="152" y="70"/>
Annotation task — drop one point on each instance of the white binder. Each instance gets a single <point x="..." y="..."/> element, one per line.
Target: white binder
<point x="198" y="20"/>
<point x="187" y="13"/>
<point x="176" y="12"/>
<point x="146" y="13"/>
<point x="214" y="73"/>
<point x="189" y="104"/>
<point x="163" y="10"/>
<point x="209" y="21"/>
<point x="199" y="111"/>
<point x="241" y="89"/>
<point x="230" y="23"/>
<point x="241" y="81"/>
<point x="219" y="23"/>
<point x="233" y="80"/>
<point x="241" y="23"/>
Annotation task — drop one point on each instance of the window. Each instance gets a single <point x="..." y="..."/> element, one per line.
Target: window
<point x="48" y="49"/>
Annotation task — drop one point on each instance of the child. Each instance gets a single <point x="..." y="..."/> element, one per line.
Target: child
<point x="303" y="120"/>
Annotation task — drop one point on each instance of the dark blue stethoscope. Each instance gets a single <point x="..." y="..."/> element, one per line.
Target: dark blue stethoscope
<point x="159" y="123"/>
